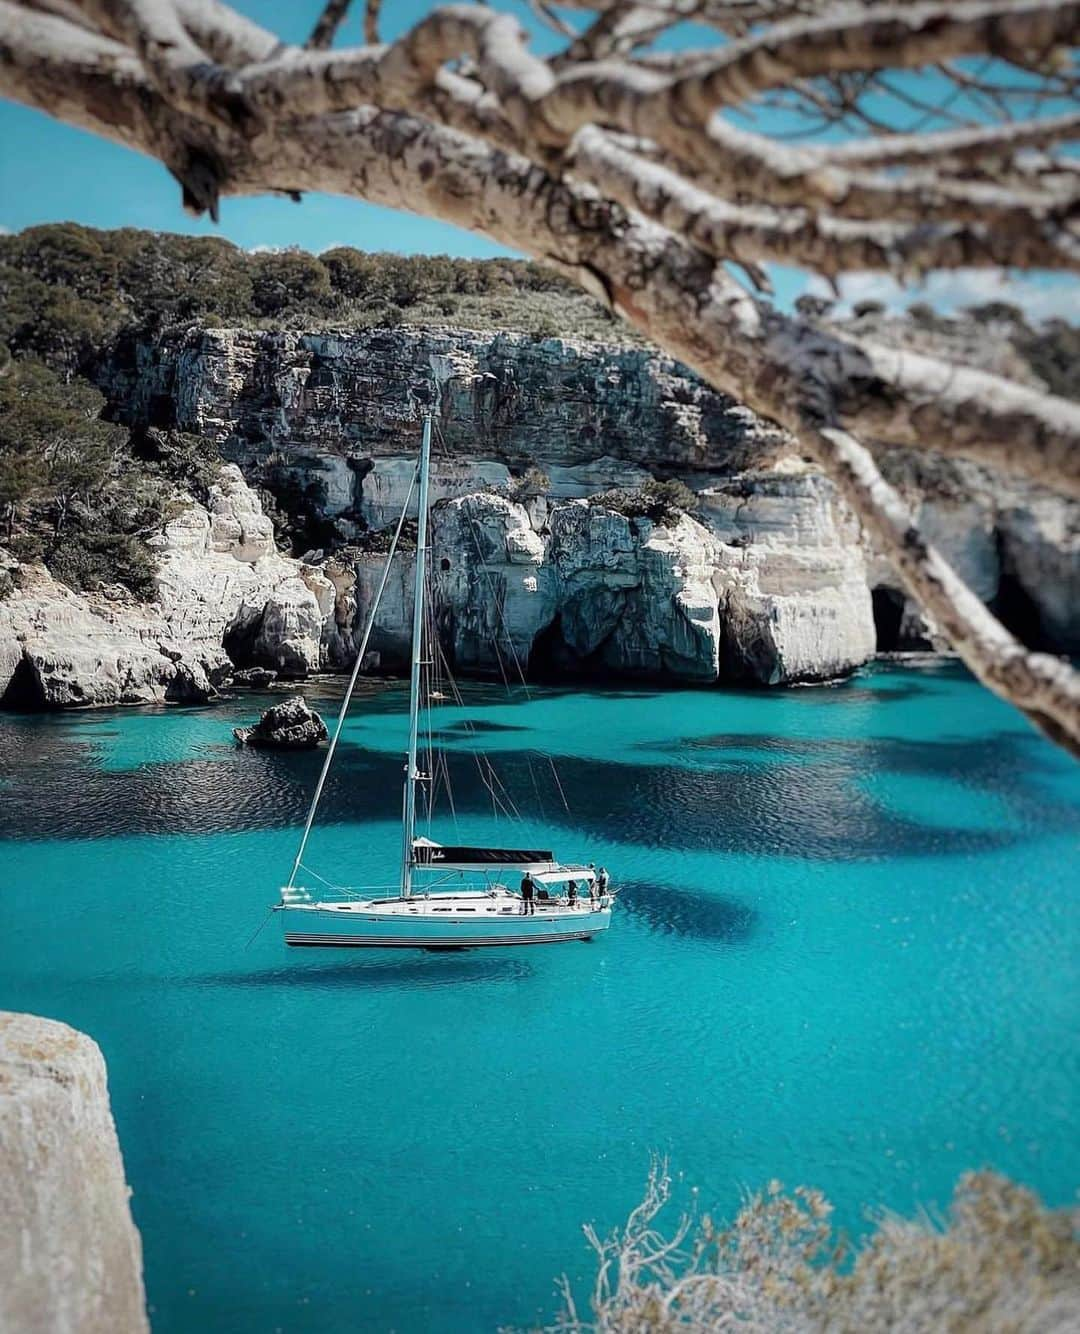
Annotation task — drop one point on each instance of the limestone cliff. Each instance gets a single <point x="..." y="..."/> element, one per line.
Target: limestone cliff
<point x="70" y="1257"/>
<point x="767" y="580"/>
<point x="225" y="596"/>
<point x="579" y="587"/>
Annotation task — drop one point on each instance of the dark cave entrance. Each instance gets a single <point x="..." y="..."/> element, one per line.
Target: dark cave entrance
<point x="888" y="616"/>
<point x="24" y="693"/>
<point x="1015" y="608"/>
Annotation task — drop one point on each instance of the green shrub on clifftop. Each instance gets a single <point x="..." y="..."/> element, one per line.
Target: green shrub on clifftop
<point x="71" y="493"/>
<point x="66" y="291"/>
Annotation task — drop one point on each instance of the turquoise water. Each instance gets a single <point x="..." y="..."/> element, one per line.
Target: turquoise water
<point x="846" y="955"/>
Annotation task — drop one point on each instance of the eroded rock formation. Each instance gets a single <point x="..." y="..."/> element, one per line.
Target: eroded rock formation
<point x="225" y="597"/>
<point x="769" y="580"/>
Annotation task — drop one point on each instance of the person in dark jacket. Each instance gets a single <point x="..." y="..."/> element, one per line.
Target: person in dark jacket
<point x="571" y="893"/>
<point x="528" y="889"/>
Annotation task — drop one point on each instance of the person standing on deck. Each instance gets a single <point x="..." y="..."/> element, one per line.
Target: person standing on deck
<point x="602" y="881"/>
<point x="527" y="888"/>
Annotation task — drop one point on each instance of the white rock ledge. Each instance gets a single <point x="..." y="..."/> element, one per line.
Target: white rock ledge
<point x="70" y="1255"/>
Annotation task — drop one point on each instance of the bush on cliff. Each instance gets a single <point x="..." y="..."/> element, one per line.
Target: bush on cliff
<point x="662" y="502"/>
<point x="999" y="1261"/>
<point x="66" y="291"/>
<point x="71" y="493"/>
<point x="533" y="483"/>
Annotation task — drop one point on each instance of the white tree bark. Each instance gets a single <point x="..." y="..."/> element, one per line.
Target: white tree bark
<point x="618" y="168"/>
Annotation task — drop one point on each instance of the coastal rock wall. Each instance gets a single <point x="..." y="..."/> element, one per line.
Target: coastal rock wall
<point x="317" y="399"/>
<point x="70" y="1256"/>
<point x="795" y="598"/>
<point x="1015" y="545"/>
<point x="576" y="590"/>
<point x="225" y="597"/>
<point x="575" y="587"/>
<point x="769" y="581"/>
<point x="340" y="413"/>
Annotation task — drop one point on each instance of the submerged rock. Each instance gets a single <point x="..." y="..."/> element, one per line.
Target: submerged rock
<point x="70" y="1255"/>
<point x="290" y="725"/>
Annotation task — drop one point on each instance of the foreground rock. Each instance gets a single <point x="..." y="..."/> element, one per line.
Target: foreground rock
<point x="290" y="725"/>
<point x="70" y="1256"/>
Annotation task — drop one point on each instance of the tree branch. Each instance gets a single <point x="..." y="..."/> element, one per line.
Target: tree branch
<point x="809" y="240"/>
<point x="1043" y="687"/>
<point x="327" y="25"/>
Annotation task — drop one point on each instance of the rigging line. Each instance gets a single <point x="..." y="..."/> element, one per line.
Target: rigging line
<point x="480" y="757"/>
<point x="509" y="641"/>
<point x="431" y="676"/>
<point x="497" y="602"/>
<point x="438" y="654"/>
<point x="558" y="783"/>
<point x="352" y="684"/>
<point x="259" y="929"/>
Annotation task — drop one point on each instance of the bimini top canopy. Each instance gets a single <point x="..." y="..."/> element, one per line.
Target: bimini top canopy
<point x="564" y="873"/>
<point x="460" y="857"/>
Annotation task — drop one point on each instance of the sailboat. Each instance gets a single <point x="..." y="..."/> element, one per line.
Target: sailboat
<point x="449" y="896"/>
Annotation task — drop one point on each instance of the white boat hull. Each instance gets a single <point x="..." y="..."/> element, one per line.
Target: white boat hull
<point x="440" y="922"/>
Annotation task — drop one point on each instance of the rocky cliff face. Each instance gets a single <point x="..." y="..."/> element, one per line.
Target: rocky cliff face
<point x="225" y="597"/>
<point x="70" y="1257"/>
<point x="770" y="586"/>
<point x="333" y="405"/>
<point x="770" y="581"/>
<point x="1016" y="546"/>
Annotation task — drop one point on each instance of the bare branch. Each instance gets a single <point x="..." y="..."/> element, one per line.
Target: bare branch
<point x="326" y="28"/>
<point x="815" y="241"/>
<point x="372" y="10"/>
<point x="1043" y="687"/>
<point x="956" y="145"/>
<point x="617" y="31"/>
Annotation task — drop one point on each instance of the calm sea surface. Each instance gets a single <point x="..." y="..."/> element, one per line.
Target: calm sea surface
<point x="846" y="954"/>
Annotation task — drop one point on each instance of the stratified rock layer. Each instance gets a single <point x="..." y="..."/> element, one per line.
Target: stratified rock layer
<point x="769" y="581"/>
<point x="70" y="1256"/>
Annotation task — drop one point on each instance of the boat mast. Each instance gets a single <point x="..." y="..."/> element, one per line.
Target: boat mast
<point x="412" y="776"/>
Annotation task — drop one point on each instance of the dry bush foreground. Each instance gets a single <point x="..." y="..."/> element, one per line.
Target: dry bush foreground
<point x="632" y="170"/>
<point x="999" y="1263"/>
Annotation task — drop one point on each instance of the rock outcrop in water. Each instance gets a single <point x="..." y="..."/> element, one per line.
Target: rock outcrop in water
<point x="70" y="1256"/>
<point x="290" y="725"/>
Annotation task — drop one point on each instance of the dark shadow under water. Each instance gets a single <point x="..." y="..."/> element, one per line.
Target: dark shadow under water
<point x="421" y="968"/>
<point x="682" y="912"/>
<point x="804" y="798"/>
